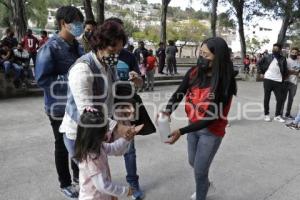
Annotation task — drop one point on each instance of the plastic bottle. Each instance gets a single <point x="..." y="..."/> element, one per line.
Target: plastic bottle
<point x="163" y="127"/>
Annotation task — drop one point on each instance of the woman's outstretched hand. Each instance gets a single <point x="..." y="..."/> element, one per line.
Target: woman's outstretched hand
<point x="174" y="136"/>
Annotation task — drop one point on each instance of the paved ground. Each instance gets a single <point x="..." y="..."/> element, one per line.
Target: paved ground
<point x="256" y="161"/>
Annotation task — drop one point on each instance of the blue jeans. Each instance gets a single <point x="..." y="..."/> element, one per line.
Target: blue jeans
<point x="297" y="119"/>
<point x="130" y="164"/>
<point x="70" y="146"/>
<point x="12" y="67"/>
<point x="202" y="147"/>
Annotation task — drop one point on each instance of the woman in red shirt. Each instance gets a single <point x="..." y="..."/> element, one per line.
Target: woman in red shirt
<point x="209" y="88"/>
<point x="151" y="64"/>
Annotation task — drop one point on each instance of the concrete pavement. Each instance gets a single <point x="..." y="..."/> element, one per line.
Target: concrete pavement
<point x="257" y="160"/>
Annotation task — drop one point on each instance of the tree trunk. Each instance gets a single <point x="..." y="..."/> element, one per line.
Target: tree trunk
<point x="89" y="15"/>
<point x="214" y="17"/>
<point x="239" y="8"/>
<point x="100" y="11"/>
<point x="242" y="37"/>
<point x="286" y="22"/>
<point x="19" y="17"/>
<point x="163" y="30"/>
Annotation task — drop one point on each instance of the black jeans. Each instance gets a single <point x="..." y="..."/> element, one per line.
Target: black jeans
<point x="278" y="89"/>
<point x="33" y="57"/>
<point x="290" y="92"/>
<point x="161" y="64"/>
<point x="62" y="156"/>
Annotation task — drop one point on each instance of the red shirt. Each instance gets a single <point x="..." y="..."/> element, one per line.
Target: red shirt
<point x="30" y="43"/>
<point x="246" y="61"/>
<point x="151" y="61"/>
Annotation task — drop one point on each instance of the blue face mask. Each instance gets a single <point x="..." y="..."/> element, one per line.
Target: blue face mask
<point x="76" y="28"/>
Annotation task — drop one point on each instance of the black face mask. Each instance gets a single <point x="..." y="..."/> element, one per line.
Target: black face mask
<point x="110" y="60"/>
<point x="88" y="34"/>
<point x="203" y="63"/>
<point x="276" y="53"/>
<point x="294" y="57"/>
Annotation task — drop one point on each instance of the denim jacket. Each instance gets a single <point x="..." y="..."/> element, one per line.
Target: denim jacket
<point x="53" y="62"/>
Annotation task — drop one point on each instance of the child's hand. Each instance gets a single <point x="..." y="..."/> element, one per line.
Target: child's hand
<point x="133" y="131"/>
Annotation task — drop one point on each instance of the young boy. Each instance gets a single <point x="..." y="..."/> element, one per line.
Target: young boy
<point x="151" y="64"/>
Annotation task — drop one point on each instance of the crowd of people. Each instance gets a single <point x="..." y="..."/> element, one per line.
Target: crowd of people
<point x="90" y="83"/>
<point x="90" y="91"/>
<point x="280" y="76"/>
<point x="15" y="56"/>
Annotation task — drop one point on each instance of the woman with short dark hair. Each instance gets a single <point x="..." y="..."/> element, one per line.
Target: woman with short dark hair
<point x="91" y="80"/>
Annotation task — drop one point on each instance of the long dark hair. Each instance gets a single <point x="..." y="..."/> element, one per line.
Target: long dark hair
<point x="223" y="84"/>
<point x="90" y="135"/>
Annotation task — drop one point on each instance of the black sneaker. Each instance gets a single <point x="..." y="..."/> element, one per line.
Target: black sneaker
<point x="70" y="192"/>
<point x="289" y="117"/>
<point x="292" y="126"/>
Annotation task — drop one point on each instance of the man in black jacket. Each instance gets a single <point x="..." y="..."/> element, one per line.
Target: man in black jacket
<point x="273" y="67"/>
<point x="161" y="54"/>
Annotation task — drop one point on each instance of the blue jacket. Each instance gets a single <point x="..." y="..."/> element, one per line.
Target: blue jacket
<point x="53" y="62"/>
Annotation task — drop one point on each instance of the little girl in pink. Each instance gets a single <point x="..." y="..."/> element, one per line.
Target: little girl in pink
<point x="91" y="151"/>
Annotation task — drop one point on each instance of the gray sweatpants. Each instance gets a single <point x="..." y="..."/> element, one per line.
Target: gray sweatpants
<point x="150" y="78"/>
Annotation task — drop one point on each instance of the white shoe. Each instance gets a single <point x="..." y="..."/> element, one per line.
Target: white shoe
<point x="193" y="197"/>
<point x="267" y="118"/>
<point x="279" y="119"/>
<point x="211" y="190"/>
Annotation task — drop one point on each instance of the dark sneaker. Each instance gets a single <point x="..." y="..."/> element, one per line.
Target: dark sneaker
<point x="292" y="126"/>
<point x="70" y="192"/>
<point x="138" y="195"/>
<point x="289" y="117"/>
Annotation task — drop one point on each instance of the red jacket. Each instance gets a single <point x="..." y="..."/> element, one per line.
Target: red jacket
<point x="30" y="43"/>
<point x="151" y="60"/>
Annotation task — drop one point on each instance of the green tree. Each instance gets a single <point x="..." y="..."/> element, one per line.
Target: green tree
<point x="130" y="28"/>
<point x="253" y="44"/>
<point x="190" y="31"/>
<point x="88" y="9"/>
<point x="293" y="34"/>
<point x="242" y="10"/>
<point x="5" y="15"/>
<point x="149" y="33"/>
<point x="37" y="12"/>
<point x="225" y="21"/>
<point x="287" y="10"/>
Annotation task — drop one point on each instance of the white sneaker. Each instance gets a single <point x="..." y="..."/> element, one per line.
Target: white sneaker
<point x="211" y="190"/>
<point x="267" y="118"/>
<point x="193" y="197"/>
<point x="279" y="119"/>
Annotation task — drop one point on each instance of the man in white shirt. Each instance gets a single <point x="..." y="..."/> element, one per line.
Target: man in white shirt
<point x="293" y="65"/>
<point x="274" y="69"/>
